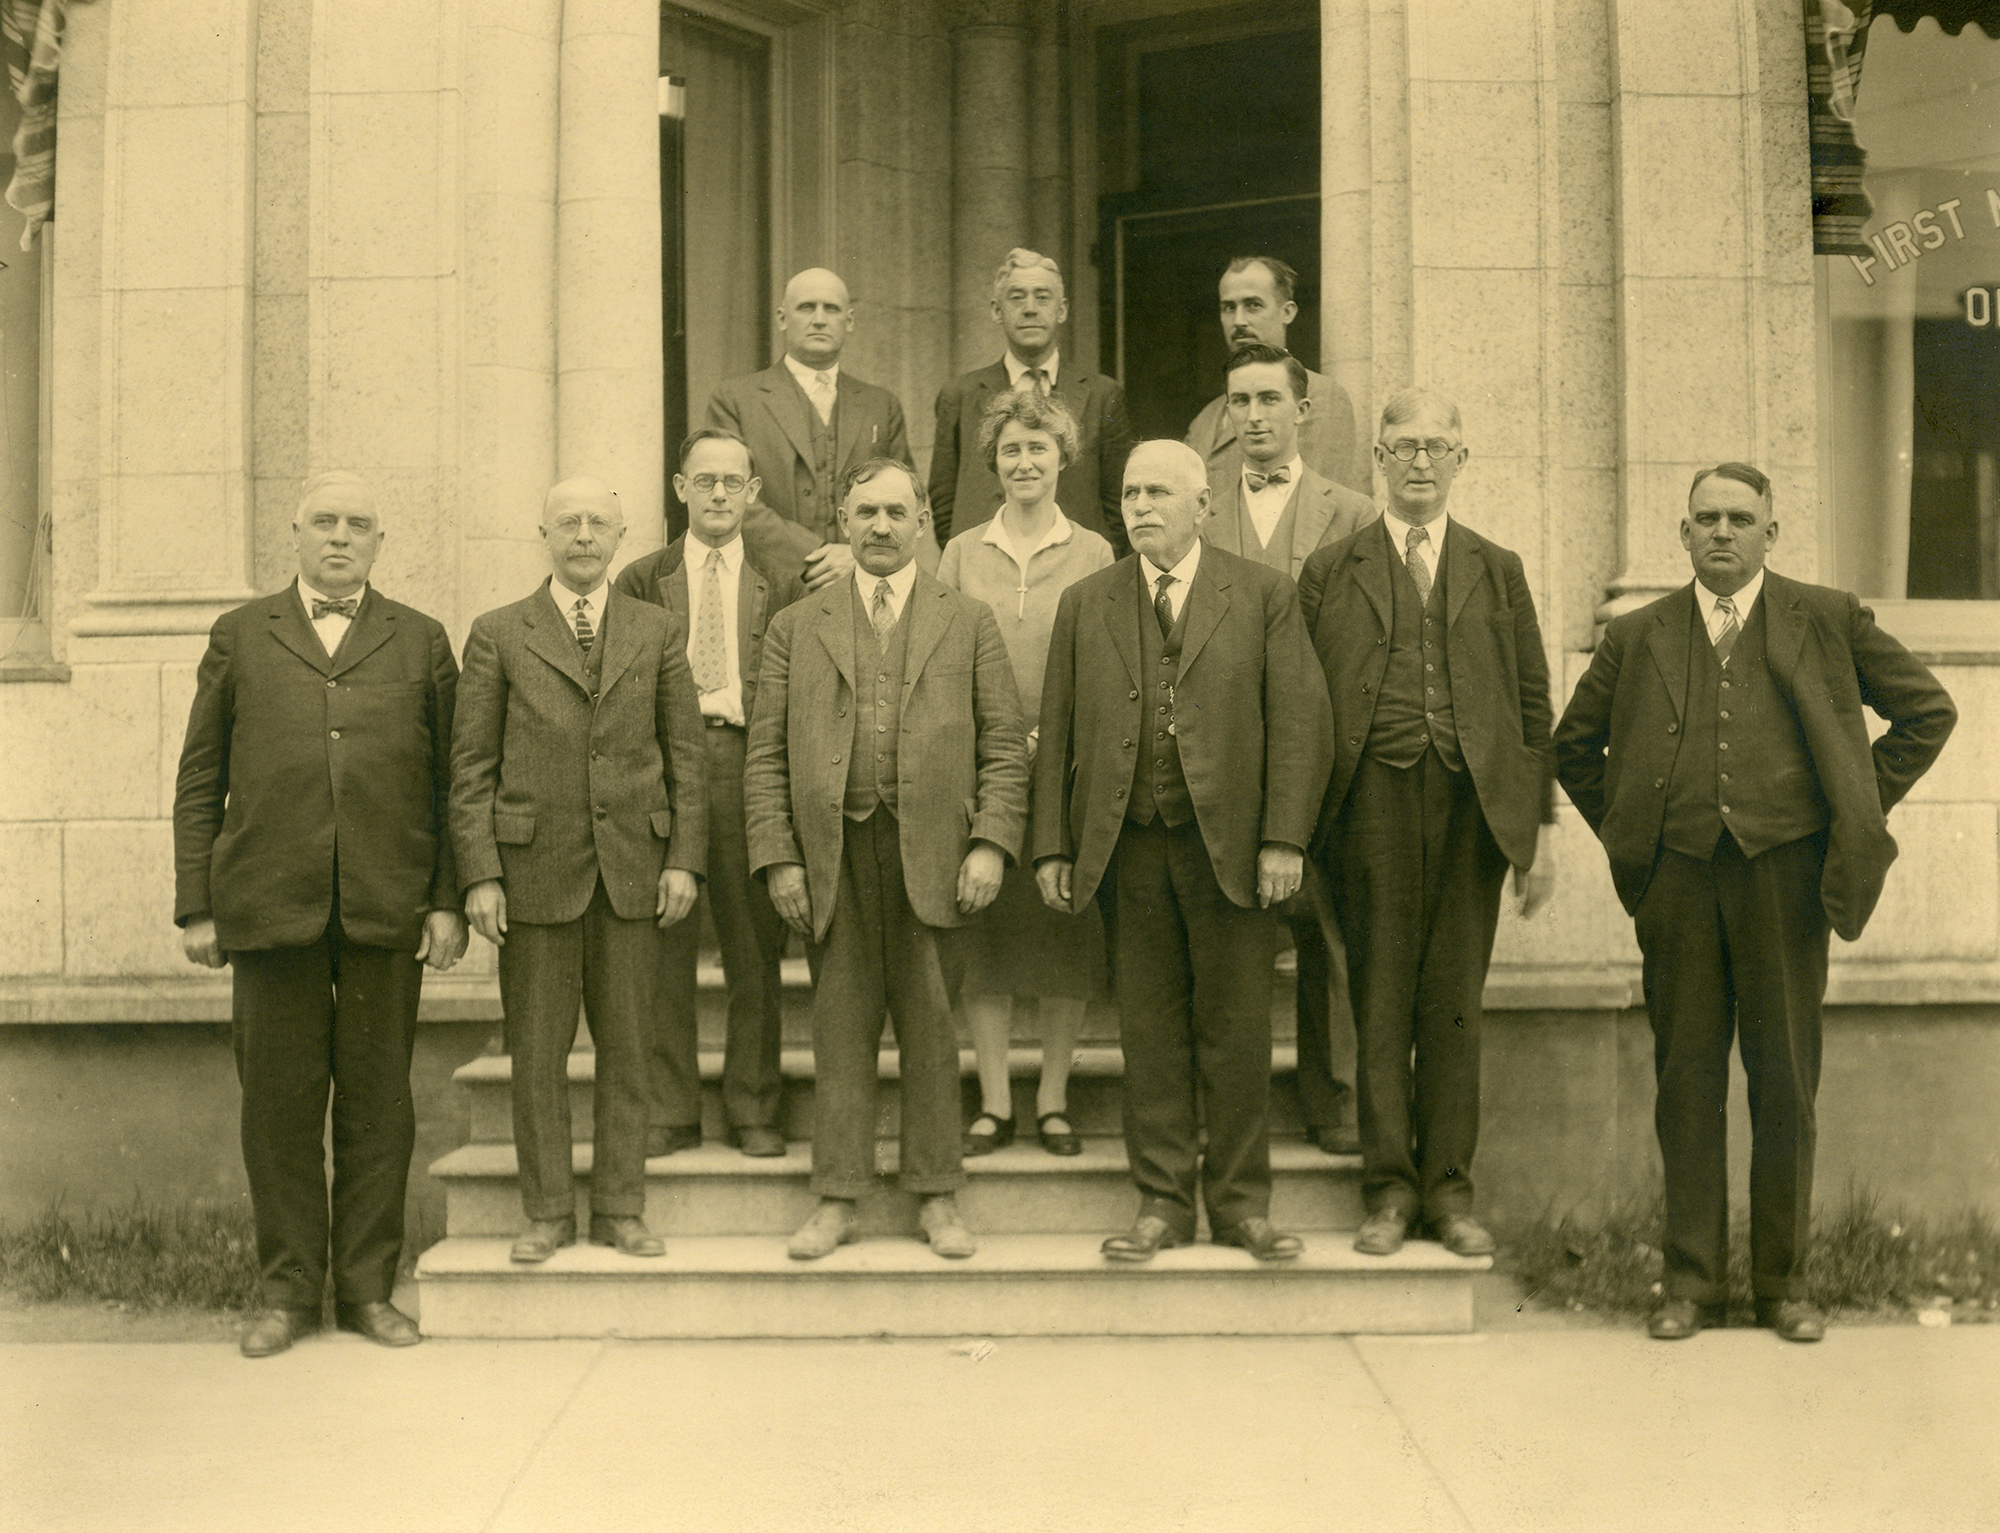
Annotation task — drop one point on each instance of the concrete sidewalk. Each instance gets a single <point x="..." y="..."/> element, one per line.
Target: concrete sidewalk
<point x="1886" y="1427"/>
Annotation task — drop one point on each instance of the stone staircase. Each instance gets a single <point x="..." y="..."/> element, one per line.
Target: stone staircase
<point x="1039" y="1219"/>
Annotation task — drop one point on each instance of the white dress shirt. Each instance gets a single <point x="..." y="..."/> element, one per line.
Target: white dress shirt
<point x="810" y="380"/>
<point x="1268" y="504"/>
<point x="1018" y="372"/>
<point x="900" y="584"/>
<point x="565" y="600"/>
<point x="1743" y="601"/>
<point x="333" y="627"/>
<point x="1430" y="552"/>
<point x="1183" y="573"/>
<point x="726" y="702"/>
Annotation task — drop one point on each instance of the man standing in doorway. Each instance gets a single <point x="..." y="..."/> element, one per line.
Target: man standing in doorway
<point x="809" y="423"/>
<point x="1257" y="309"/>
<point x="1029" y="306"/>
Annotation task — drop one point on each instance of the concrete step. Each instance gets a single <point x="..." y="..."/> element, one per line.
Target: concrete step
<point x="715" y="1190"/>
<point x="715" y="1286"/>
<point x="1096" y="1092"/>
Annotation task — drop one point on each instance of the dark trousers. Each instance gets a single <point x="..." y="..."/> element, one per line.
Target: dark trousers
<point x="1323" y="1005"/>
<point x="1736" y="946"/>
<point x="1193" y="973"/>
<point x="1416" y="881"/>
<point x="878" y="956"/>
<point x="305" y="1019"/>
<point x="753" y="942"/>
<point x="609" y="967"/>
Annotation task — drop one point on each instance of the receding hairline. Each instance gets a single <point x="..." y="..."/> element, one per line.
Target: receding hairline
<point x="578" y="487"/>
<point x="1404" y="404"/>
<point x="336" y="479"/>
<point x="1178" y="453"/>
<point x="817" y="273"/>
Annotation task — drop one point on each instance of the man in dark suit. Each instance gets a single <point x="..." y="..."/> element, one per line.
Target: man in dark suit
<point x="1028" y="306"/>
<point x="809" y="422"/>
<point x="579" y="814"/>
<point x="1277" y="511"/>
<point x="310" y="855"/>
<point x="1183" y="752"/>
<point x="1257" y="310"/>
<point x="1442" y="777"/>
<point x="722" y="601"/>
<point x="886" y="787"/>
<point x="1718" y="748"/>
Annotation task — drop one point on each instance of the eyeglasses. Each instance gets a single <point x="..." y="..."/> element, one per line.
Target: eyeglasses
<point x="704" y="484"/>
<point x="1406" y="451"/>
<point x="570" y="526"/>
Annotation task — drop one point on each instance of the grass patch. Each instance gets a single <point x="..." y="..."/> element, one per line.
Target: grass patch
<point x="1861" y="1259"/>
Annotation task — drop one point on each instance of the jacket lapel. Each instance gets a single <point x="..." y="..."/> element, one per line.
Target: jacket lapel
<point x="1669" y="646"/>
<point x="848" y="424"/>
<point x="549" y="636"/>
<point x="291" y="629"/>
<point x="373" y="626"/>
<point x="673" y="584"/>
<point x="1122" y="616"/>
<point x="621" y="637"/>
<point x="751" y="594"/>
<point x="790" y="408"/>
<point x="1312" y="510"/>
<point x="1371" y="572"/>
<point x="1463" y="569"/>
<point x="835" y="618"/>
<point x="1224" y="526"/>
<point x="1207" y="603"/>
<point x="929" y="615"/>
<point x="1784" y="628"/>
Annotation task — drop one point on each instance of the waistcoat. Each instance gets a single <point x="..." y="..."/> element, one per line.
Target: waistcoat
<point x="1159" y="785"/>
<point x="1414" y="709"/>
<point x="878" y="709"/>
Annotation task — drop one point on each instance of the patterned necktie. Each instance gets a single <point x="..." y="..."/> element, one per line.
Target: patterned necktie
<point x="1726" y="635"/>
<point x="1041" y="377"/>
<point x="340" y="606"/>
<point x="1420" y="572"/>
<point x="822" y="396"/>
<point x="1282" y="474"/>
<point x="711" y="639"/>
<point x="585" y="635"/>
<point x="1162" y="608"/>
<point x="880" y="613"/>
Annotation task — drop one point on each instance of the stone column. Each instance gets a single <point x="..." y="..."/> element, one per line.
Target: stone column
<point x="174" y="328"/>
<point x="609" y="387"/>
<point x="1049" y="211"/>
<point x="990" y="136"/>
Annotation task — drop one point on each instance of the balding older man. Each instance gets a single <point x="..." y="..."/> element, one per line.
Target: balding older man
<point x="1185" y="743"/>
<point x="809" y="424"/>
<point x="310" y="856"/>
<point x="579" y="814"/>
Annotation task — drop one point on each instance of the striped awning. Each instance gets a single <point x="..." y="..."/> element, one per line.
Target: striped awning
<point x="31" y="38"/>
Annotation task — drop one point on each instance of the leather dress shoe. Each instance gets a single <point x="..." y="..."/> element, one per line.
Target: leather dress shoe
<point x="1793" y="1319"/>
<point x="272" y="1331"/>
<point x="378" y="1320"/>
<point x="1335" y="1138"/>
<point x="1149" y="1236"/>
<point x="938" y="1219"/>
<point x="831" y="1224"/>
<point x="1678" y="1319"/>
<point x="1382" y="1232"/>
<point x="760" y="1140"/>
<point x="1462" y="1235"/>
<point x="1262" y="1240"/>
<point x="542" y="1239"/>
<point x="625" y="1233"/>
<point x="671" y="1141"/>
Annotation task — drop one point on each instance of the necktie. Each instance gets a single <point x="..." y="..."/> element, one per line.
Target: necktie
<point x="1282" y="474"/>
<point x="711" y="639"/>
<point x="1162" y="608"/>
<point x="1725" y="636"/>
<point x="585" y="635"/>
<point x="1419" y="571"/>
<point x="880" y="613"/>
<point x="342" y="606"/>
<point x="1041" y="377"/>
<point x="822" y="396"/>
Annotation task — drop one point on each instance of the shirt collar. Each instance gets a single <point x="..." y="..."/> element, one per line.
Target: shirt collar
<point x="1743" y="600"/>
<point x="1183" y="572"/>
<point x="806" y="374"/>
<point x="565" y="600"/>
<point x="996" y="534"/>
<point x="1295" y="464"/>
<point x="308" y="595"/>
<point x="695" y="555"/>
<point x="899" y="583"/>
<point x="1399" y="530"/>
<point x="1018" y="370"/>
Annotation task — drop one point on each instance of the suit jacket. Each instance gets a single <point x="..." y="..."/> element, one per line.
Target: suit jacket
<point x="1322" y="512"/>
<point x="1493" y="651"/>
<point x="1616" y="743"/>
<point x="290" y="755"/>
<point x="1250" y="713"/>
<point x="1327" y="439"/>
<point x="662" y="579"/>
<point x="771" y="412"/>
<point x="963" y="760"/>
<point x="552" y="787"/>
<point x="965" y="492"/>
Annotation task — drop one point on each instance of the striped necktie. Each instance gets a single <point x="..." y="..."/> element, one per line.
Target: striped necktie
<point x="1726" y="635"/>
<point x="585" y="634"/>
<point x="1420" y="572"/>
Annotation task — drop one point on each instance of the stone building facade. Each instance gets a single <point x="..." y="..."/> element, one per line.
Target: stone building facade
<point x="424" y="240"/>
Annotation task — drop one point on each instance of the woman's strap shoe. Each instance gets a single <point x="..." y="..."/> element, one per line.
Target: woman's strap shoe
<point x="1062" y="1141"/>
<point x="980" y="1141"/>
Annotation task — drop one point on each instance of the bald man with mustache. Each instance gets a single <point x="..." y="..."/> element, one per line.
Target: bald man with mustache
<point x="809" y="423"/>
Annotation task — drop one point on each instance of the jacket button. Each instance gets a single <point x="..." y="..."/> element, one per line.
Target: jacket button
<point x="1128" y="745"/>
<point x="836" y="761"/>
<point x="599" y="813"/>
<point x="1354" y="739"/>
<point x="331" y="685"/>
<point x="335" y="734"/>
<point x="1134" y="696"/>
<point x="1118" y="793"/>
<point x="1659" y="782"/>
<point x="1673" y="729"/>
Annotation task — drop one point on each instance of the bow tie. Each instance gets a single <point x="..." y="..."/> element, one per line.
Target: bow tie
<point x="1282" y="474"/>
<point x="344" y="606"/>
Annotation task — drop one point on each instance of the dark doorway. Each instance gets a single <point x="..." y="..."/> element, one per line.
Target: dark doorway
<point x="1955" y="461"/>
<point x="1208" y="149"/>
